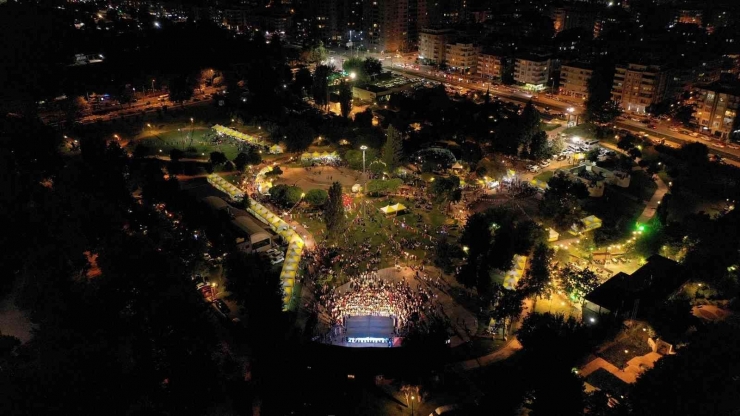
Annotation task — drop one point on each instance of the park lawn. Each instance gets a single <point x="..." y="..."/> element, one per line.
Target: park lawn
<point x="174" y="139"/>
<point x="585" y="131"/>
<point x="548" y="126"/>
<point x="642" y="186"/>
<point x="545" y="176"/>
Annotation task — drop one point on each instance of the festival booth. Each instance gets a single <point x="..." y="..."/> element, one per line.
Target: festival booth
<point x="282" y="228"/>
<point x="275" y="149"/>
<point x="393" y="209"/>
<point x="587" y="224"/>
<point x="324" y="158"/>
<point x="512" y="276"/>
<point x="225" y="186"/>
<point x="552" y="235"/>
<point x="237" y="134"/>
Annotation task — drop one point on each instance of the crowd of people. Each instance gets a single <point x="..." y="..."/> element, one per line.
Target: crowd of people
<point x="369" y="295"/>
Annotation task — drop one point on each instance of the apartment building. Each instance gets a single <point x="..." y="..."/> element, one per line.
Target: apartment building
<point x="718" y="108"/>
<point x="490" y="65"/>
<point x="433" y="44"/>
<point x="574" y="79"/>
<point x="532" y="71"/>
<point x="638" y="86"/>
<point x="462" y="57"/>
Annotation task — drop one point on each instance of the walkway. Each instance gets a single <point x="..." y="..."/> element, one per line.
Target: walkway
<point x="649" y="212"/>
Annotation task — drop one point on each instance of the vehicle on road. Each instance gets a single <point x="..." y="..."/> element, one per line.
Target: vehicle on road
<point x="545" y="163"/>
<point x="686" y="132"/>
<point x="443" y="410"/>
<point x="533" y="168"/>
<point x="221" y="307"/>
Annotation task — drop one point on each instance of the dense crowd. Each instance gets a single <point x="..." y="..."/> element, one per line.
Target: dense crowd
<point x="368" y="295"/>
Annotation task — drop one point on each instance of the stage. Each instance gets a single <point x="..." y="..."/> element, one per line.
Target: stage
<point x="368" y="332"/>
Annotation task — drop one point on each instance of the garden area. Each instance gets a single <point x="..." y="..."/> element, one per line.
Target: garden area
<point x="632" y="344"/>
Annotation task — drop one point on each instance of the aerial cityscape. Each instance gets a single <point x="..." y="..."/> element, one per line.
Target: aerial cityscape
<point x="370" y="207"/>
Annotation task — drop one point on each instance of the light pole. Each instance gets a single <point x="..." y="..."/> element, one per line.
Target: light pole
<point x="412" y="404"/>
<point x="364" y="177"/>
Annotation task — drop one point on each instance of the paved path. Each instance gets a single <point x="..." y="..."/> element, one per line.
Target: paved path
<point x="652" y="206"/>
<point x="500" y="354"/>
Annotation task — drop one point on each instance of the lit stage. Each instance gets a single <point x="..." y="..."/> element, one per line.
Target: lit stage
<point x="368" y="331"/>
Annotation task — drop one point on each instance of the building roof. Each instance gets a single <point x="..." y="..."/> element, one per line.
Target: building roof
<point x="732" y="88"/>
<point x="249" y="226"/>
<point x="579" y="64"/>
<point x="650" y="284"/>
<point x="215" y="203"/>
<point x="534" y="57"/>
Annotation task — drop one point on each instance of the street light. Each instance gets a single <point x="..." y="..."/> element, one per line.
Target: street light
<point x="412" y="405"/>
<point x="352" y="76"/>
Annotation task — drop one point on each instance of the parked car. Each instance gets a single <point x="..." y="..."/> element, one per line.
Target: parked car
<point x="276" y="260"/>
<point x="221" y="307"/>
<point x="533" y="168"/>
<point x="545" y="163"/>
<point x="561" y="157"/>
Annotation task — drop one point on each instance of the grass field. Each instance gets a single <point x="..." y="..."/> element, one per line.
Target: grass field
<point x="193" y="142"/>
<point x="585" y="131"/>
<point x="642" y="185"/>
<point x="545" y="176"/>
<point x="378" y="232"/>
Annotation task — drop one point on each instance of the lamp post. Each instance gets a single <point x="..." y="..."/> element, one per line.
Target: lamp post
<point x="412" y="404"/>
<point x="364" y="177"/>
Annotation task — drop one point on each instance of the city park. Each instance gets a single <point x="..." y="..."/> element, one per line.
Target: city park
<point x="403" y="224"/>
<point x="401" y="227"/>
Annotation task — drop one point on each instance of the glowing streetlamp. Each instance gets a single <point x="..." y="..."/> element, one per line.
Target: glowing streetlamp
<point x="352" y="76"/>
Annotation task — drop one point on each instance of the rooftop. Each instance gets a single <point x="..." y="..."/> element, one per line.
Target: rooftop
<point x="650" y="284"/>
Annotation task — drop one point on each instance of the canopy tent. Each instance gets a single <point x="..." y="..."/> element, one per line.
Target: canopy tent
<point x="319" y="156"/>
<point x="590" y="223"/>
<point x="552" y="235"/>
<point x="276" y="149"/>
<point x="517" y="271"/>
<point x="392" y="209"/>
<point x="225" y="186"/>
<point x="457" y="166"/>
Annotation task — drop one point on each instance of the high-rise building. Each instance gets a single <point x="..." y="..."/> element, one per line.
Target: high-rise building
<point x="393" y="25"/>
<point x="462" y="57"/>
<point x="717" y="110"/>
<point x="571" y="17"/>
<point x="490" y="65"/>
<point x="532" y="70"/>
<point x="638" y="86"/>
<point x="432" y="44"/>
<point x="574" y="79"/>
<point x="324" y="18"/>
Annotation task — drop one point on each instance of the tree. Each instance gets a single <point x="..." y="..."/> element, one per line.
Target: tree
<point x="372" y="66"/>
<point x="257" y="290"/>
<point x="508" y="307"/>
<point x="218" y="158"/>
<point x="75" y="108"/>
<point x="599" y="94"/>
<point x="392" y="151"/>
<point x="537" y="280"/>
<point x="298" y="136"/>
<point x="176" y="155"/>
<point x="380" y="186"/>
<point x="181" y="88"/>
<point x="303" y="80"/>
<point x="321" y="84"/>
<point x="317" y="197"/>
<point x="318" y="53"/>
<point x="529" y="124"/>
<point x="125" y="95"/>
<point x="364" y="119"/>
<point x="286" y="195"/>
<point x="701" y="379"/>
<point x="345" y="98"/>
<point x="539" y="148"/>
<point x="560" y="201"/>
<point x="578" y="283"/>
<point x="446" y="189"/>
<point x="334" y="209"/>
<point x="354" y="158"/>
<point x="356" y="66"/>
<point x="240" y="161"/>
